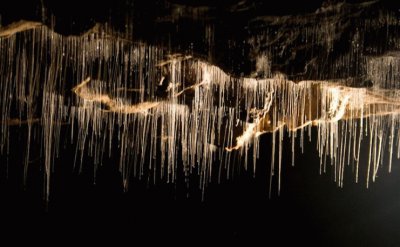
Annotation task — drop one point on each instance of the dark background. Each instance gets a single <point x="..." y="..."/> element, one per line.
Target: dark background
<point x="311" y="208"/>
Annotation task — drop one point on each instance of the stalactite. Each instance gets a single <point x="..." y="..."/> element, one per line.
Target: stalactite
<point x="170" y="112"/>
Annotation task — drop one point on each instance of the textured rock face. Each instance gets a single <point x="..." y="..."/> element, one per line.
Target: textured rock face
<point x="175" y="102"/>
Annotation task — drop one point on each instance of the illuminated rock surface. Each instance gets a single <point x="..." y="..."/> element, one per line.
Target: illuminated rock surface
<point x="168" y="111"/>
